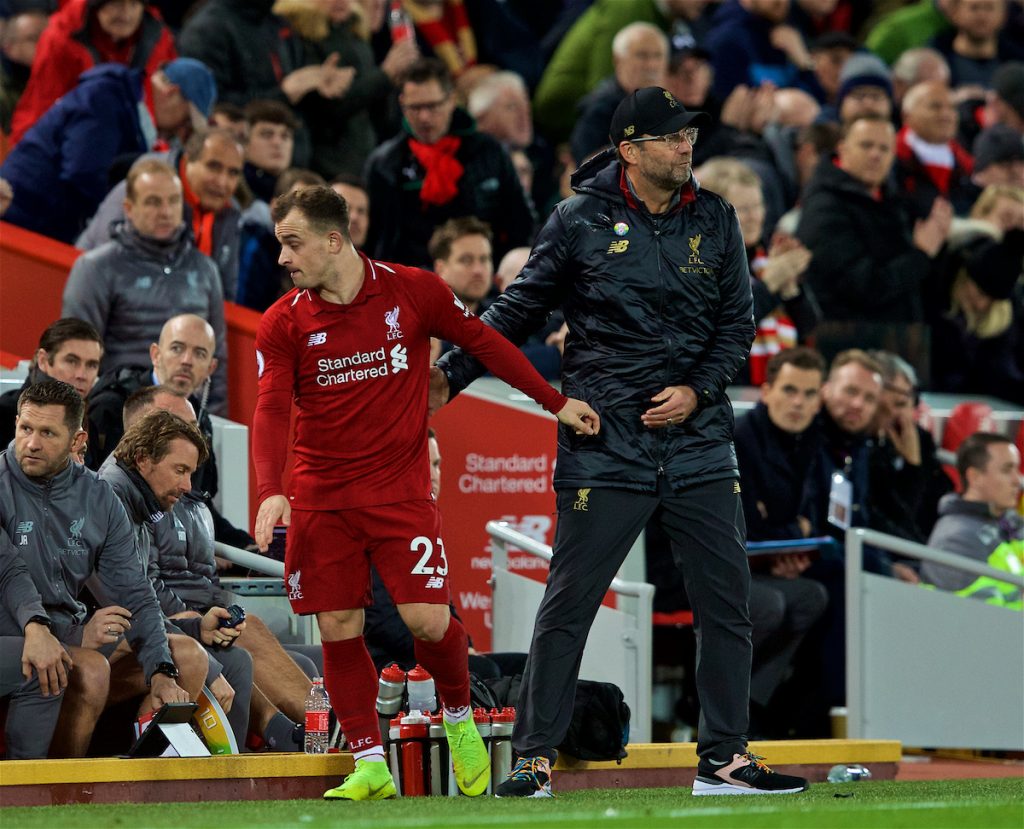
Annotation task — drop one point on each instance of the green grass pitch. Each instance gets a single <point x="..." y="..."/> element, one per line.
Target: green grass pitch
<point x="957" y="804"/>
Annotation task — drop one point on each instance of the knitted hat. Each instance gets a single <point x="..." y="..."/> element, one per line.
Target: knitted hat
<point x="1008" y="84"/>
<point x="996" y="266"/>
<point x="997" y="144"/>
<point x="195" y="82"/>
<point x="863" y="69"/>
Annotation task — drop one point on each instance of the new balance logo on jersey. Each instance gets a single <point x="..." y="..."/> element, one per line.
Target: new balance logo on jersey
<point x="434" y="582"/>
<point x="399" y="359"/>
<point x="394" y="329"/>
<point x="618" y="247"/>
<point x="319" y="338"/>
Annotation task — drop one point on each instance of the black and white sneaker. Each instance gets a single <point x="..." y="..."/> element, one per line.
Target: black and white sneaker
<point x="746" y="774"/>
<point x="530" y="777"/>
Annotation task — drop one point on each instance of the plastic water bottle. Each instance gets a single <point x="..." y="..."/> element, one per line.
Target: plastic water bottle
<point x="502" y="723"/>
<point x="318" y="714"/>
<point x="413" y="738"/>
<point x="394" y="759"/>
<point x="399" y="22"/>
<point x="421" y="691"/>
<point x="438" y="765"/>
<point x="848" y="773"/>
<point x="389" y="691"/>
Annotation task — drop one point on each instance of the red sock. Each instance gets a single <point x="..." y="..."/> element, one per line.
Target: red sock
<point x="448" y="662"/>
<point x="351" y="683"/>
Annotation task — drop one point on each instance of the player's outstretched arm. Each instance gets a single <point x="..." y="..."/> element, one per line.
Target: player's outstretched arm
<point x="578" y="415"/>
<point x="273" y="511"/>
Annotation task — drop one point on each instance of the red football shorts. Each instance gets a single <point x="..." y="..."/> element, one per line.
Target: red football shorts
<point x="328" y="556"/>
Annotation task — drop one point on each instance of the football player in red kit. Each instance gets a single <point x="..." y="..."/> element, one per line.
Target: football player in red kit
<point x="350" y="347"/>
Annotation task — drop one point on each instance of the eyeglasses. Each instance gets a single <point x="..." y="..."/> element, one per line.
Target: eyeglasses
<point x="673" y="139"/>
<point x="429" y="106"/>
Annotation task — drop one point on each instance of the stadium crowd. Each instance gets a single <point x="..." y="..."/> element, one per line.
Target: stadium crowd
<point x="873" y="153"/>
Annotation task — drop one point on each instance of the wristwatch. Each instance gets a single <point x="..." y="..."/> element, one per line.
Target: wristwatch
<point x="40" y="620"/>
<point x="165" y="668"/>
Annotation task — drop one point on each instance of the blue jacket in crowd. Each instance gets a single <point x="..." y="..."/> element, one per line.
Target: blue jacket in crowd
<point x="58" y="171"/>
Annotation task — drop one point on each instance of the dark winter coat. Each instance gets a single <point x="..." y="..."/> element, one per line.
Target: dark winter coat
<point x="865" y="264"/>
<point x="248" y="49"/>
<point x="651" y="301"/>
<point x="774" y="469"/>
<point x="401" y="227"/>
<point x="58" y="171"/>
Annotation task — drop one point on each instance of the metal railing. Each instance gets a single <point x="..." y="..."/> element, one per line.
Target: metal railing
<point x="927" y="666"/>
<point x="626" y="662"/>
<point x="254" y="561"/>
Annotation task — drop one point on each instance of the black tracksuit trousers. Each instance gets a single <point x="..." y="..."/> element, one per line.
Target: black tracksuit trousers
<point x="596" y="529"/>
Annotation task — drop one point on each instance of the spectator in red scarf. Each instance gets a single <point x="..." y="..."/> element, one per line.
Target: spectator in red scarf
<point x="85" y="33"/>
<point x="438" y="168"/>
<point x="929" y="160"/>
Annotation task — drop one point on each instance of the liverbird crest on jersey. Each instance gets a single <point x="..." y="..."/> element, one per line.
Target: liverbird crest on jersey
<point x="391" y="318"/>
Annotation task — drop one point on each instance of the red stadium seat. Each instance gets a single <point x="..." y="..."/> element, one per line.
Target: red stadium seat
<point x="679" y="619"/>
<point x="965" y="420"/>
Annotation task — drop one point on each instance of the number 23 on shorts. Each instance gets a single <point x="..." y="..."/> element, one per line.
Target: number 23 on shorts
<point x="425" y="547"/>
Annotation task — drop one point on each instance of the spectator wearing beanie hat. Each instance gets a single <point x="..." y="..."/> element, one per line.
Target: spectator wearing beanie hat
<point x="83" y="34"/>
<point x="59" y="170"/>
<point x="978" y="337"/>
<point x="999" y="157"/>
<point x="865" y="88"/>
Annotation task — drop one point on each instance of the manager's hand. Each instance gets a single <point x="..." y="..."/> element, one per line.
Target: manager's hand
<point x="676" y="403"/>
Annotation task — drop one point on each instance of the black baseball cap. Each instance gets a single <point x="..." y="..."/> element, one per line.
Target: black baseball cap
<point x="652" y="111"/>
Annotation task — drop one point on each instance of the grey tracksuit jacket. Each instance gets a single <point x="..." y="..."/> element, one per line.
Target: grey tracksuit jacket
<point x="66" y="529"/>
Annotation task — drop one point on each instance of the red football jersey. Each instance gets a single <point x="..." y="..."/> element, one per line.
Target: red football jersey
<point x="358" y="374"/>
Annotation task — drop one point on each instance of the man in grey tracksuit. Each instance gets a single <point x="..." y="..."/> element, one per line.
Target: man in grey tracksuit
<point x="180" y="562"/>
<point x="25" y="636"/>
<point x="150" y="271"/>
<point x="66" y="526"/>
<point x="229" y="676"/>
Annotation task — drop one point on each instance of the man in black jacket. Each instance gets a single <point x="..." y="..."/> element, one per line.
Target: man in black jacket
<point x="776" y="444"/>
<point x="652" y="275"/>
<point x="440" y="168"/>
<point x="868" y="264"/>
